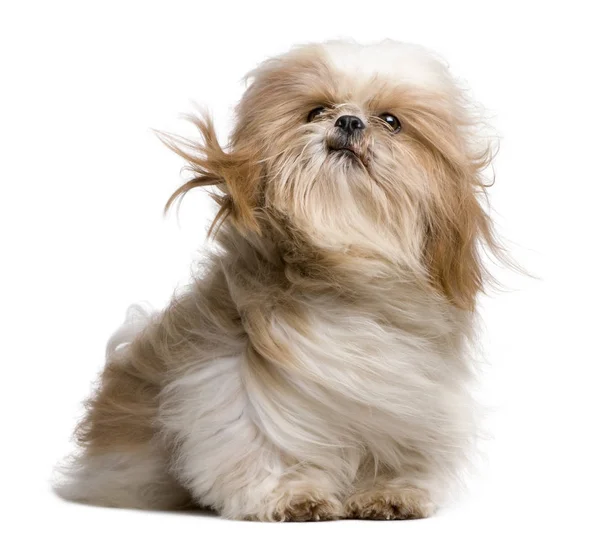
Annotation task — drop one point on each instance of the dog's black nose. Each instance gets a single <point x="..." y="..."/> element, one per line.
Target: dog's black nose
<point x="350" y="123"/>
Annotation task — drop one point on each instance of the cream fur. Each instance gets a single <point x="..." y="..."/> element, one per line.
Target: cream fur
<point x="409" y="63"/>
<point x="321" y="367"/>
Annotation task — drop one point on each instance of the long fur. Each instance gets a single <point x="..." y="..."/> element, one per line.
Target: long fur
<point x="321" y="366"/>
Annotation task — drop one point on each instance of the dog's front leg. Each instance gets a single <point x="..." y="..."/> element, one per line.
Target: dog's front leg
<point x="231" y="463"/>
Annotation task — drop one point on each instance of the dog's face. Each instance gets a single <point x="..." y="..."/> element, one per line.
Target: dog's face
<point x="362" y="148"/>
<point x="331" y="130"/>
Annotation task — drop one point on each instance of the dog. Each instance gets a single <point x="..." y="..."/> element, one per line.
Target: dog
<point x="321" y="366"/>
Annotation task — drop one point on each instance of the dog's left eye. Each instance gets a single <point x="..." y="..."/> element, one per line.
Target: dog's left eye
<point x="391" y="121"/>
<point x="315" y="113"/>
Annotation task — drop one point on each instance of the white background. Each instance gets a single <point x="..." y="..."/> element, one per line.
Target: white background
<point x="84" y="181"/>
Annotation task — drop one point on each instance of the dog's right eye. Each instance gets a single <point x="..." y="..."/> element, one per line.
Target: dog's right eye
<point x="315" y="113"/>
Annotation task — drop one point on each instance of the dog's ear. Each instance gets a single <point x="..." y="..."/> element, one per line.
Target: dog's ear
<point x="235" y="173"/>
<point x="458" y="228"/>
<point x="455" y="233"/>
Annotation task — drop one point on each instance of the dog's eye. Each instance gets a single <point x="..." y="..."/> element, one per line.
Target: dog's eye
<point x="315" y="113"/>
<point x="391" y="121"/>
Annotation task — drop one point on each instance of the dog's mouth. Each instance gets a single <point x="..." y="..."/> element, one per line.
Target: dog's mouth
<point x="347" y="151"/>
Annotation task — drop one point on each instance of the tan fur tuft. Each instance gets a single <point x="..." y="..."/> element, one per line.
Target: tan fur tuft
<point x="235" y="173"/>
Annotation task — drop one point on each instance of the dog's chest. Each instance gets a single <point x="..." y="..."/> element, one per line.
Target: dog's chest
<point x="349" y="348"/>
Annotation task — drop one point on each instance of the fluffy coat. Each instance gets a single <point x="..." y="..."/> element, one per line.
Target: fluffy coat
<point x="320" y="366"/>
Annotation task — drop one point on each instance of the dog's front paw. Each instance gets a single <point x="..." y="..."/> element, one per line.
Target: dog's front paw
<point x="404" y="503"/>
<point x="310" y="506"/>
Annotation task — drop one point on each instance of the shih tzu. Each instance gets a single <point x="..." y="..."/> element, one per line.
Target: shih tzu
<point x="320" y="367"/>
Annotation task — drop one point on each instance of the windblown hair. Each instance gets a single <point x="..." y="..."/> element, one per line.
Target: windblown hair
<point x="233" y="173"/>
<point x="320" y="366"/>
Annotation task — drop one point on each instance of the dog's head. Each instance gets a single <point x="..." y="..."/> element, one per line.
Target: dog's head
<point x="365" y="149"/>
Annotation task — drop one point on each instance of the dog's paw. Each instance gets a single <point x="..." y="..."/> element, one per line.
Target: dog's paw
<point x="312" y="506"/>
<point x="404" y="503"/>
